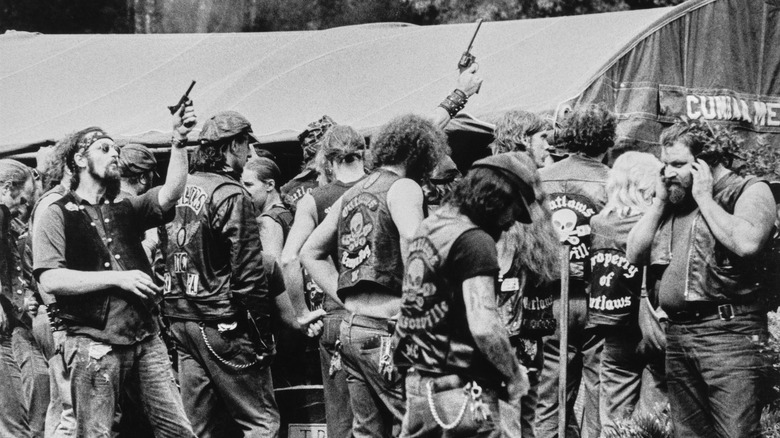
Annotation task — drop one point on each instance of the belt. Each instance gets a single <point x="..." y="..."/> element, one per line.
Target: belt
<point x="706" y="312"/>
<point x="370" y="322"/>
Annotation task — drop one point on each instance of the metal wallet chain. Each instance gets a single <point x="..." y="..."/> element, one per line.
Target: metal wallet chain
<point x="432" y="406"/>
<point x="223" y="360"/>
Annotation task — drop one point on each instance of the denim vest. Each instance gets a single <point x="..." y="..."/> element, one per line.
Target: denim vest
<point x="86" y="251"/>
<point x="433" y="332"/>
<point x="576" y="191"/>
<point x="369" y="248"/>
<point x="714" y="274"/>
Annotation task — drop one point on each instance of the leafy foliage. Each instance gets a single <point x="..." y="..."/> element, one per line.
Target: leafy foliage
<point x="141" y="16"/>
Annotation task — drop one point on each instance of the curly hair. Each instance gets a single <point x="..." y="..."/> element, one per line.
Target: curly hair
<point x="511" y="129"/>
<point x="589" y="130"/>
<point x="54" y="166"/>
<point x="714" y="144"/>
<point x="341" y="143"/>
<point x="412" y="141"/>
<point x="631" y="183"/>
<point x="210" y="157"/>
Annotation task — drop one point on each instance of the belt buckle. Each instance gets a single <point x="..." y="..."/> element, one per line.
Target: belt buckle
<point x="726" y="312"/>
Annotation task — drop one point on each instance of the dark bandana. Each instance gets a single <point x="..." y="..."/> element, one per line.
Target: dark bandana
<point x="84" y="142"/>
<point x="311" y="136"/>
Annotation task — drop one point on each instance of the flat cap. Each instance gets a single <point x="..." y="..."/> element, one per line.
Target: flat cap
<point x="223" y="125"/>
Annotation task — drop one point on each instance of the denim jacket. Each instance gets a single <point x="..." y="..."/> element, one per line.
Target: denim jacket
<point x="713" y="273"/>
<point x="576" y="187"/>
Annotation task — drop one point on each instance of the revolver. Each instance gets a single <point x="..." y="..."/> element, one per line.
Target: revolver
<point x="466" y="59"/>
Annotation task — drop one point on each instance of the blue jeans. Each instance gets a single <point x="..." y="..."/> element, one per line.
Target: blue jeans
<point x="214" y="393"/>
<point x="35" y="378"/>
<point x="714" y="371"/>
<point x="100" y="371"/>
<point x="338" y="411"/>
<point x="449" y="399"/>
<point x="377" y="403"/>
<point x="13" y="415"/>
<point x="584" y="361"/>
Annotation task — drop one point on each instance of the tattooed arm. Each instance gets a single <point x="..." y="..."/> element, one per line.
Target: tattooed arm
<point x="489" y="332"/>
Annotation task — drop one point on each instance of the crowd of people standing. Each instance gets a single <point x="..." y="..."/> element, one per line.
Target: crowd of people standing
<point x="431" y="298"/>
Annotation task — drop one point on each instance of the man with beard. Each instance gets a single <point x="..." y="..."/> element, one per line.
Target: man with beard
<point x="450" y="333"/>
<point x="704" y="235"/>
<point x="369" y="228"/>
<point x="216" y="290"/>
<point x="87" y="252"/>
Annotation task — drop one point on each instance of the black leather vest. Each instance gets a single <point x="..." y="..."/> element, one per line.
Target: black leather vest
<point x="615" y="283"/>
<point x="85" y="251"/>
<point x="197" y="262"/>
<point x="369" y="248"/>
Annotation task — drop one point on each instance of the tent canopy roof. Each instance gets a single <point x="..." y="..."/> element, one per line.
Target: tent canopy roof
<point x="359" y="75"/>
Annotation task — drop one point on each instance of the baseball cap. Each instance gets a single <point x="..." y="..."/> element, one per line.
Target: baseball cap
<point x="135" y="158"/>
<point x="521" y="176"/>
<point x="223" y="125"/>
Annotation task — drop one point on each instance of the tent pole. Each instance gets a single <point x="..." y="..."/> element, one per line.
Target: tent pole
<point x="563" y="347"/>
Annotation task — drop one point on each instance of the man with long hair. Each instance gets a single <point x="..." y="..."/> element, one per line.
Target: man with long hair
<point x="450" y="333"/>
<point x="528" y="260"/>
<point x="217" y="297"/>
<point x="575" y="190"/>
<point x="703" y="236"/>
<point x="340" y="159"/>
<point x="87" y="252"/>
<point x="369" y="229"/>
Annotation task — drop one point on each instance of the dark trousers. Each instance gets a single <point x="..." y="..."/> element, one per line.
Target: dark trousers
<point x="584" y="353"/>
<point x="215" y="393"/>
<point x="714" y="370"/>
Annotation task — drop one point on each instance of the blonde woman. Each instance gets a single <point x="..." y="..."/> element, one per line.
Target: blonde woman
<point x="616" y="284"/>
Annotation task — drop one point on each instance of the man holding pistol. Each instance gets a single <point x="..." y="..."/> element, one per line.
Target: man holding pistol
<point x="87" y="252"/>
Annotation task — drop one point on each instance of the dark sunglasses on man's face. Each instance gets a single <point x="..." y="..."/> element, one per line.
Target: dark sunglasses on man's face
<point x="105" y="147"/>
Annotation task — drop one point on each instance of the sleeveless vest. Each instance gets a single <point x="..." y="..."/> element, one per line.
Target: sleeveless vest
<point x="715" y="274"/>
<point x="432" y="331"/>
<point x="191" y="249"/>
<point x="11" y="281"/>
<point x="369" y="249"/>
<point x="281" y="216"/>
<point x="86" y="251"/>
<point x="324" y="197"/>
<point x="615" y="283"/>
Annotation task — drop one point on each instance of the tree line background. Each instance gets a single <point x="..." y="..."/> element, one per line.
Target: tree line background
<point x="200" y="16"/>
